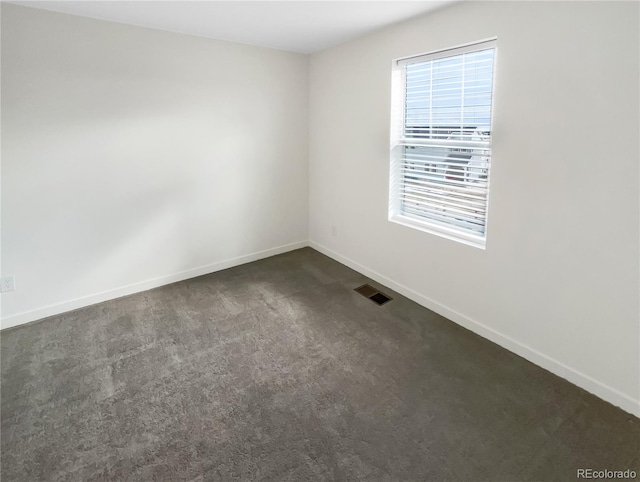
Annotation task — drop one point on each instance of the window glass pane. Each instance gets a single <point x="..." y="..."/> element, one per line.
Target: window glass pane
<point x="450" y="93"/>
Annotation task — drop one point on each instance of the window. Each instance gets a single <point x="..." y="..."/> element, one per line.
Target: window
<point x="441" y="141"/>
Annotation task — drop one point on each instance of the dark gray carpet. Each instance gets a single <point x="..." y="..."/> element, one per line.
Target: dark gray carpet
<point x="278" y="370"/>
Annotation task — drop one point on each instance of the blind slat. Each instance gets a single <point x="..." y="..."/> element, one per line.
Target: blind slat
<point x="447" y="191"/>
<point x="469" y="225"/>
<point x="475" y="201"/>
<point x="433" y="201"/>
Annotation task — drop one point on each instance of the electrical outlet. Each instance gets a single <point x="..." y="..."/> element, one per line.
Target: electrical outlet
<point x="8" y="283"/>
<point x="334" y="231"/>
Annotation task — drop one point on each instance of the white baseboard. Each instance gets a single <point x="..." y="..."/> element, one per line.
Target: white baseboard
<point x="586" y="382"/>
<point x="64" y="306"/>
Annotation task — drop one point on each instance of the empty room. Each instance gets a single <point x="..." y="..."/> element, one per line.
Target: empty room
<point x="320" y="241"/>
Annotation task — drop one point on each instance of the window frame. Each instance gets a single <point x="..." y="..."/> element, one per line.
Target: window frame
<point x="399" y="140"/>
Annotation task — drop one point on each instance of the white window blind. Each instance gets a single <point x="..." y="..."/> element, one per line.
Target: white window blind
<point x="441" y="141"/>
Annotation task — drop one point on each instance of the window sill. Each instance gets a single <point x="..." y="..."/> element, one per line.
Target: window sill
<point x="442" y="231"/>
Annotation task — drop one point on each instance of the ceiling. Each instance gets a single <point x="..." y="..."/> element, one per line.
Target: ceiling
<point x="298" y="26"/>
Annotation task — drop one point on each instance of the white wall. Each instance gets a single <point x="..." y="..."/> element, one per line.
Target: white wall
<point x="558" y="282"/>
<point x="133" y="157"/>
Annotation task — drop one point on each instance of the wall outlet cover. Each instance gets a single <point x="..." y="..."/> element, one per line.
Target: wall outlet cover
<point x="7" y="283"/>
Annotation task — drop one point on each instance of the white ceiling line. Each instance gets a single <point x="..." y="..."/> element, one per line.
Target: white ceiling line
<point x="297" y="26"/>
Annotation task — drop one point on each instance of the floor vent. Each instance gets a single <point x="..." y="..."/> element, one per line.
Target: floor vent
<point x="373" y="294"/>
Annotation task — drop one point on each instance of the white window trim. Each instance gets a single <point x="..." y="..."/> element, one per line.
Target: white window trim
<point x="397" y="134"/>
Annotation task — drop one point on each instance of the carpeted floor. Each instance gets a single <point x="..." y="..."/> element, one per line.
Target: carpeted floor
<point x="278" y="370"/>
